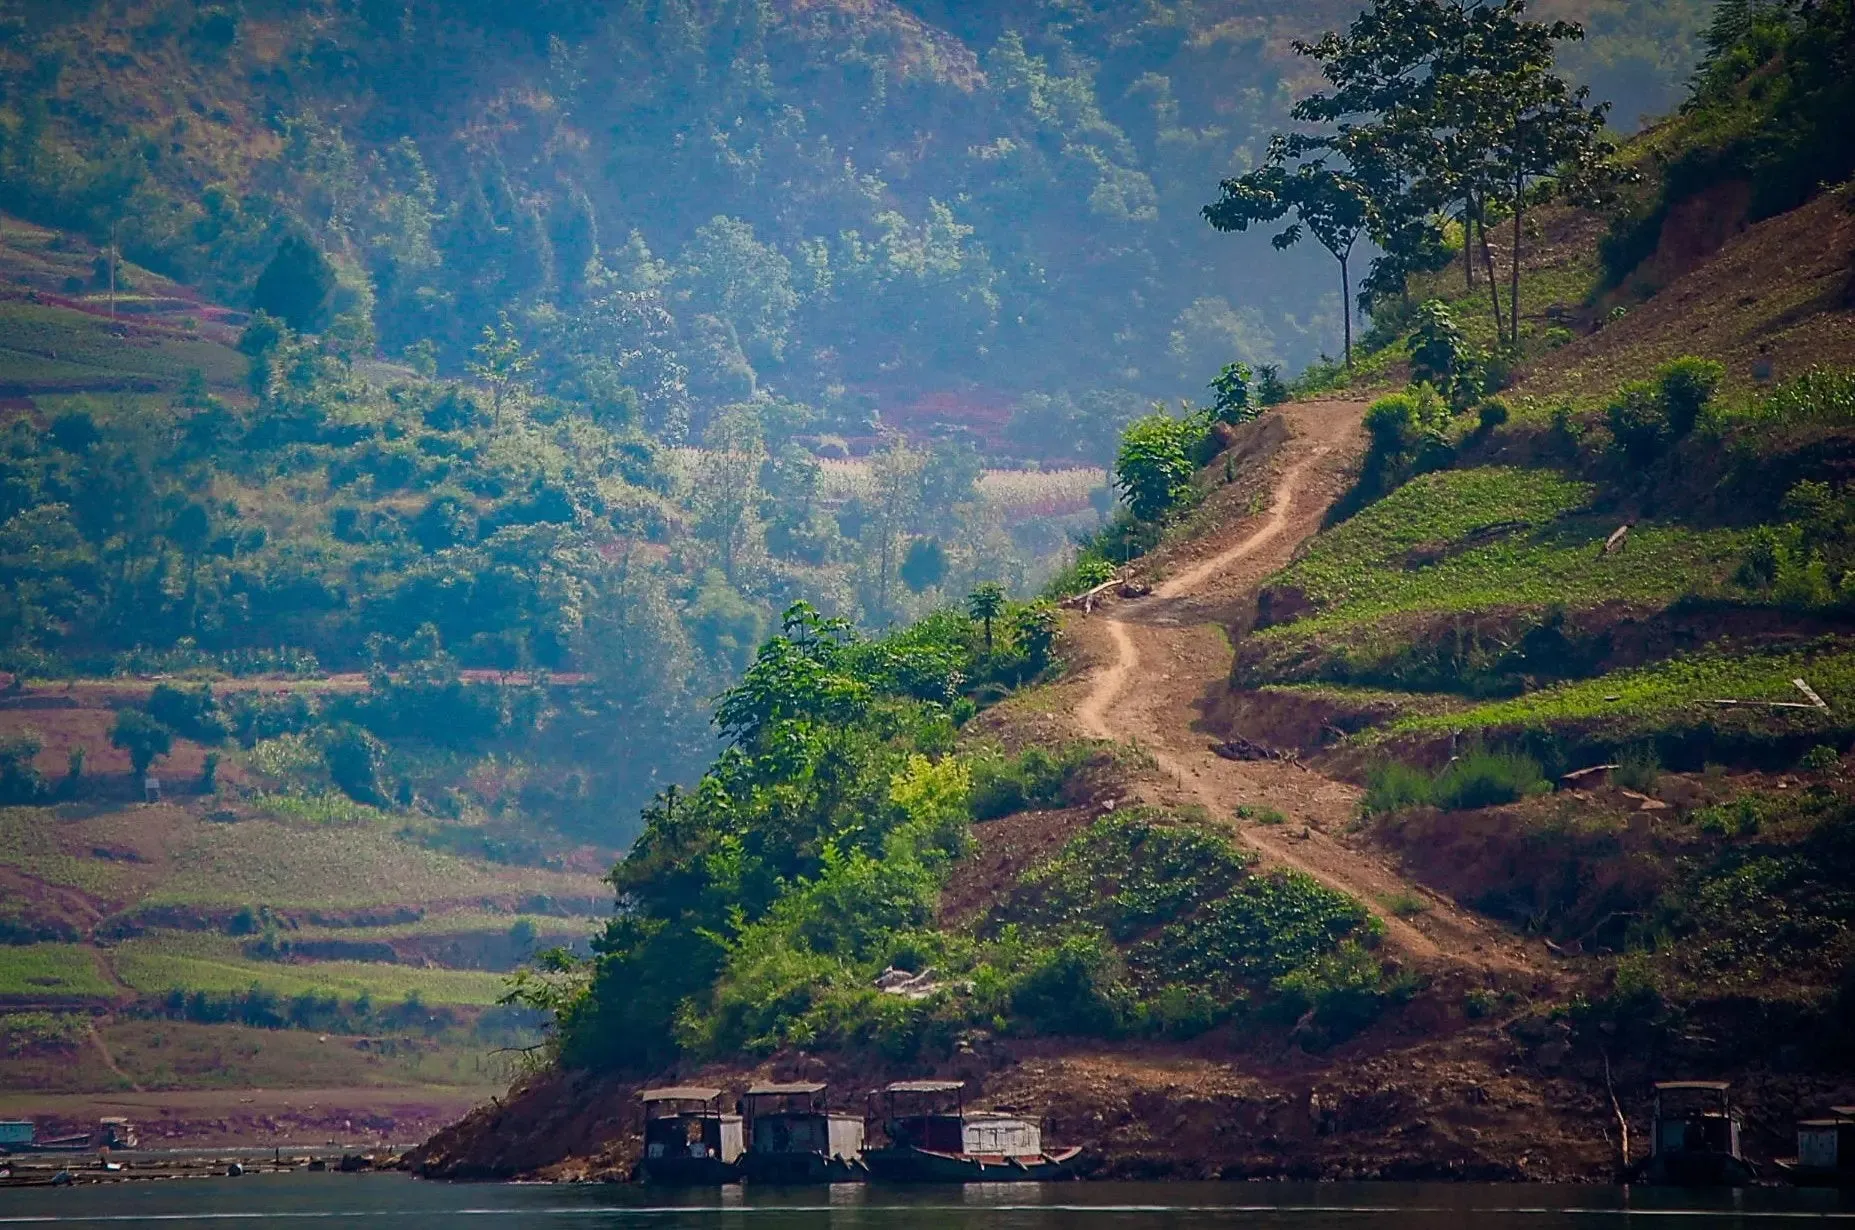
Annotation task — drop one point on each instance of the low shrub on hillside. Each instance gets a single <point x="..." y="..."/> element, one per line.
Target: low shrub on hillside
<point x="191" y="713"/>
<point x="1478" y="778"/>
<point x="20" y="779"/>
<point x="1646" y="416"/>
<point x="1035" y="777"/>
<point x="1341" y="993"/>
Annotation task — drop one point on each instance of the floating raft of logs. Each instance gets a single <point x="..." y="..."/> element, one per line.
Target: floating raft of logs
<point x="43" y="1171"/>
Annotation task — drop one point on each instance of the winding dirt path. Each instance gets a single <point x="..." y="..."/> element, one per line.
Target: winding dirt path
<point x="1163" y="654"/>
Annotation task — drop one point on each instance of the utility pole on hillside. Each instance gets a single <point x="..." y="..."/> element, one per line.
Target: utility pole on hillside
<point x="115" y="228"/>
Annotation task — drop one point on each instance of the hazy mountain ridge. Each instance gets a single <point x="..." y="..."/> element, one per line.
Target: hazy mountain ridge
<point x="935" y="197"/>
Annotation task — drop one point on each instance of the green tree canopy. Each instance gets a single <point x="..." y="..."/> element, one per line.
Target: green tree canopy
<point x="296" y="286"/>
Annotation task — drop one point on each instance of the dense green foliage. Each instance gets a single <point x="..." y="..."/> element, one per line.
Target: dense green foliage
<point x="757" y="910"/>
<point x="1479" y="778"/>
<point x="755" y="907"/>
<point x="682" y="209"/>
<point x="1431" y="110"/>
<point x="1768" y="107"/>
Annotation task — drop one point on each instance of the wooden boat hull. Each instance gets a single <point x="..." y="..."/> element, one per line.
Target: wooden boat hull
<point x="689" y="1171"/>
<point x="911" y="1165"/>
<point x="1816" y="1176"/>
<point x="1693" y="1170"/>
<point x="793" y="1169"/>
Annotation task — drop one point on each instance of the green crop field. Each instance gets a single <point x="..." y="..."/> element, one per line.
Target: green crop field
<point x="262" y="862"/>
<point x="52" y="971"/>
<point x="58" y="346"/>
<point x="156" y="965"/>
<point x="1656" y="695"/>
<point x="37" y="842"/>
<point x="1367" y="567"/>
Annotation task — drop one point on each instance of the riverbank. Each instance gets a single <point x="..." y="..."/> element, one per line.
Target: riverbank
<point x="1473" y="1107"/>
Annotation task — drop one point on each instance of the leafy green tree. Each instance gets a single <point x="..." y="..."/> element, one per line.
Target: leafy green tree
<point x="20" y="781"/>
<point x="502" y="362"/>
<point x="1270" y="390"/>
<point x="142" y="737"/>
<point x="1034" y="628"/>
<point x="1439" y="355"/>
<point x="1231" y="395"/>
<point x="1152" y="470"/>
<point x="894" y="504"/>
<point x="727" y="272"/>
<point x="1437" y="105"/>
<point x="355" y="759"/>
<point x="296" y="286"/>
<point x="725" y="492"/>
<point x="1330" y="205"/>
<point x="925" y="565"/>
<point x="1688" y="385"/>
<point x="985" y="604"/>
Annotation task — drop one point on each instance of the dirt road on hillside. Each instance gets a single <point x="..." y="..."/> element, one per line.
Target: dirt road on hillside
<point x="1161" y="655"/>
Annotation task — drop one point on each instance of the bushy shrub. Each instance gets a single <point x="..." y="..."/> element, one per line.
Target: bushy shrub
<point x="1270" y="390"/>
<point x="1181" y="1012"/>
<point x="191" y="714"/>
<point x="1407" y="431"/>
<point x="1488" y="779"/>
<point x="1395" y="786"/>
<point x="1638" y="770"/>
<point x="1153" y="470"/>
<point x="20" y="780"/>
<point x="354" y="760"/>
<point x="1341" y="993"/>
<point x="1074" y="988"/>
<point x="1638" y="421"/>
<point x="1477" y="778"/>
<point x="142" y="737"/>
<point x="1687" y="386"/>
<point x="1438" y="353"/>
<point x="1004" y="785"/>
<point x="1493" y="414"/>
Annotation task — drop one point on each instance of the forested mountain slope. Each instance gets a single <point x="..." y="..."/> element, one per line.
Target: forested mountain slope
<point x="1428" y="772"/>
<point x="855" y="206"/>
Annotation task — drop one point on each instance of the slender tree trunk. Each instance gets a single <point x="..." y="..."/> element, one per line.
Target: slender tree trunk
<point x="1494" y="282"/>
<point x="1346" y="309"/>
<point x="1468" y="247"/>
<point x="1513" y="285"/>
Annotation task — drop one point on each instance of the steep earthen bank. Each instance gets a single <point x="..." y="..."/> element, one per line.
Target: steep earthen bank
<point x="1477" y="1105"/>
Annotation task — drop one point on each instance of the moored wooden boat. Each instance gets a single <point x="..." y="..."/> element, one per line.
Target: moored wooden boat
<point x="688" y="1141"/>
<point x="929" y="1143"/>
<point x="1696" y="1139"/>
<point x="792" y="1138"/>
<point x="1825" y="1151"/>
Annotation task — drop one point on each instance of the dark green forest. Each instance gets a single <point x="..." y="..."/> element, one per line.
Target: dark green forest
<point x="979" y="215"/>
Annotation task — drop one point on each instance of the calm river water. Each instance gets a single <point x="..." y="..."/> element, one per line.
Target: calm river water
<point x="404" y="1204"/>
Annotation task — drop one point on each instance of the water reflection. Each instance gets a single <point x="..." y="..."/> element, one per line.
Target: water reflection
<point x="403" y="1204"/>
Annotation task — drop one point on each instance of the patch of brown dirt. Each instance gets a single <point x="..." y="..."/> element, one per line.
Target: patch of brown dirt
<point x="1693" y="230"/>
<point x="1165" y="658"/>
<point x="34" y="910"/>
<point x="1002" y="849"/>
<point x="1771" y="303"/>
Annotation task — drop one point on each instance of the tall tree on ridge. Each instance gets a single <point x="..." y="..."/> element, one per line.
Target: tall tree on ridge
<point x="1330" y="205"/>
